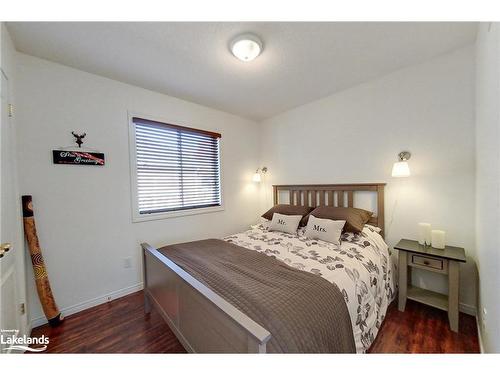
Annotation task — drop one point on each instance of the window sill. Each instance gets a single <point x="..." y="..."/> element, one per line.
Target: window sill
<point x="167" y="215"/>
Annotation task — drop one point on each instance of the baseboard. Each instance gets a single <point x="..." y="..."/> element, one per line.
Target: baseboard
<point x="468" y="309"/>
<point x="67" y="311"/>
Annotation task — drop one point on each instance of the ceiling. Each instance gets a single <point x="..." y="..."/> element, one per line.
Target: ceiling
<point x="301" y="61"/>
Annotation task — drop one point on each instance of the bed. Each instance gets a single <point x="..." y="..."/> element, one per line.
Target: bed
<point x="206" y="316"/>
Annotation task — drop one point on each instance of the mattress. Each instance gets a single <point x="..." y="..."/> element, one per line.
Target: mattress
<point x="360" y="266"/>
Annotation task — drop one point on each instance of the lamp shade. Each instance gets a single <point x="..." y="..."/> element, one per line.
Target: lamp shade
<point x="400" y="169"/>
<point x="256" y="177"/>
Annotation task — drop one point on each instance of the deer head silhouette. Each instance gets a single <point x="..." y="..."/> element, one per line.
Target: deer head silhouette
<point x="79" y="138"/>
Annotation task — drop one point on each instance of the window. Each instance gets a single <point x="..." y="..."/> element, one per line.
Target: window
<point x="176" y="168"/>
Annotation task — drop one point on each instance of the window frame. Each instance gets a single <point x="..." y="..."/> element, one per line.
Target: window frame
<point x="136" y="215"/>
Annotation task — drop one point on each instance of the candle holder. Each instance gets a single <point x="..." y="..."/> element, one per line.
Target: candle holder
<point x="438" y="239"/>
<point x="424" y="234"/>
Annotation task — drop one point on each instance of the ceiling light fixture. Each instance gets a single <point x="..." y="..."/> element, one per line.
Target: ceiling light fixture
<point x="246" y="47"/>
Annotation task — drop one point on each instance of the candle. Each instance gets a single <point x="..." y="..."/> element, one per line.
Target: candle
<point x="424" y="233"/>
<point x="438" y="239"/>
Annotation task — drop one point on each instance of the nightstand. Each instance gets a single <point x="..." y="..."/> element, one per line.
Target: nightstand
<point x="444" y="261"/>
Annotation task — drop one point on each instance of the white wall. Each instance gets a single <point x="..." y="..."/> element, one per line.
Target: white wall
<point x="355" y="136"/>
<point x="83" y="214"/>
<point x="488" y="182"/>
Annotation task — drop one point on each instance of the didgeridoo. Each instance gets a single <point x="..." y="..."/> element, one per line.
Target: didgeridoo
<point x="41" y="278"/>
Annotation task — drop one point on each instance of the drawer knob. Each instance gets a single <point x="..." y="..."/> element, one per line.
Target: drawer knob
<point x="426" y="262"/>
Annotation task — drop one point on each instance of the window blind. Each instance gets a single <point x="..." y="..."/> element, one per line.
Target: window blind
<point x="178" y="168"/>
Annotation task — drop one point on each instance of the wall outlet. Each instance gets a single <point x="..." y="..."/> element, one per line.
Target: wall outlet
<point x="127" y="262"/>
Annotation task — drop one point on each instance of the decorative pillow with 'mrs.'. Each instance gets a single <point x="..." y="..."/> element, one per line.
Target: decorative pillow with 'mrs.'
<point x="324" y="229"/>
<point x="285" y="223"/>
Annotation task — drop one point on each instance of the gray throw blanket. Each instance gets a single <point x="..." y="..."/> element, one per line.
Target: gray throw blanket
<point x="303" y="312"/>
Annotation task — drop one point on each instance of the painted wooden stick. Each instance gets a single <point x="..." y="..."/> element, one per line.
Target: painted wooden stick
<point x="41" y="278"/>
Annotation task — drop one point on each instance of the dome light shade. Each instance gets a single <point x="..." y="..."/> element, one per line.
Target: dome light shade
<point x="256" y="177"/>
<point x="400" y="169"/>
<point x="246" y="47"/>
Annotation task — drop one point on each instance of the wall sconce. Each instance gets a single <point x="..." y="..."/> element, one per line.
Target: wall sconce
<point x="401" y="168"/>
<point x="258" y="174"/>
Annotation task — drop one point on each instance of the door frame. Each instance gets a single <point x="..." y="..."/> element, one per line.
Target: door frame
<point x="16" y="238"/>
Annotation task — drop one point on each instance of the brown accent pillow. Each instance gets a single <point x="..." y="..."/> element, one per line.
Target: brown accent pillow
<point x="355" y="218"/>
<point x="288" y="209"/>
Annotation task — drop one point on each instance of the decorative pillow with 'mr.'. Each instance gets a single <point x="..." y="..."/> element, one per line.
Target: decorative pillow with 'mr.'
<point x="288" y="209"/>
<point x="285" y="223"/>
<point x="324" y="229"/>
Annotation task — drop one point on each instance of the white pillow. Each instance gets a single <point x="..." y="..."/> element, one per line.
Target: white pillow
<point x="285" y="223"/>
<point x="373" y="228"/>
<point x="324" y="229"/>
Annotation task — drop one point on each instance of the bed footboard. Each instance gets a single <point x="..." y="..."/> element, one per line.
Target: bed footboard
<point x="202" y="320"/>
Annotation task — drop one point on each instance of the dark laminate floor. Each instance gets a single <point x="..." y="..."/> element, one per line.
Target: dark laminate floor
<point x="120" y="326"/>
<point x="423" y="329"/>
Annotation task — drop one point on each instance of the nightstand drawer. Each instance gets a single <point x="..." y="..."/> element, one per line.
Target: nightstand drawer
<point x="427" y="262"/>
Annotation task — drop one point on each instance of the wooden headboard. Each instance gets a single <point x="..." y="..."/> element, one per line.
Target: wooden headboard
<point x="338" y="195"/>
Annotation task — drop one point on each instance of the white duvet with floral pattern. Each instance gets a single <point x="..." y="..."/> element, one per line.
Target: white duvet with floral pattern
<point x="360" y="266"/>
